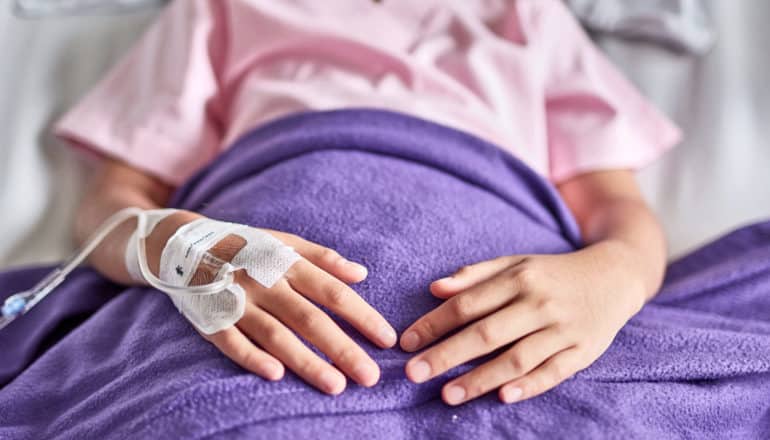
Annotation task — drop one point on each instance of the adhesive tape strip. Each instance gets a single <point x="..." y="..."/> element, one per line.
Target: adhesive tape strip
<point x="265" y="259"/>
<point x="131" y="257"/>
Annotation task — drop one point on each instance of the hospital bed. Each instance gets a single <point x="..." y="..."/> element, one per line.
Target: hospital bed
<point x="715" y="181"/>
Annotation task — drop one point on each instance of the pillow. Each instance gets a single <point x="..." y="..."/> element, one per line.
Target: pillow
<point x="680" y="24"/>
<point x="44" y="8"/>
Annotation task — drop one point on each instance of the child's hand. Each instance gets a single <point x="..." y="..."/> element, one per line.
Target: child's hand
<point x="561" y="312"/>
<point x="271" y="314"/>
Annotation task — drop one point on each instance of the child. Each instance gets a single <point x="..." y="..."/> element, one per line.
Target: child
<point x="519" y="73"/>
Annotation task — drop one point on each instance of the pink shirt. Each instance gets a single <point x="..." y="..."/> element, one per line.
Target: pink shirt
<point x="519" y="73"/>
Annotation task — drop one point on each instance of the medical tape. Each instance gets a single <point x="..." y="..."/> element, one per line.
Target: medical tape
<point x="265" y="259"/>
<point x="131" y="256"/>
<point x="188" y="246"/>
<point x="214" y="312"/>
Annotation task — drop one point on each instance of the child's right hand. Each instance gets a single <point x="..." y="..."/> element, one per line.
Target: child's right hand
<point x="271" y="314"/>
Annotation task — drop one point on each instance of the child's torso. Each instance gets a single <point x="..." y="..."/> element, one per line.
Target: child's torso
<point x="463" y="63"/>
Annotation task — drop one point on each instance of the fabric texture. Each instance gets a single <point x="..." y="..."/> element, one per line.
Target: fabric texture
<point x="380" y="188"/>
<point x="521" y="74"/>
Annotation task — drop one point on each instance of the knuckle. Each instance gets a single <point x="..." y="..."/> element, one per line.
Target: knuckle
<point x="307" y="319"/>
<point x="462" y="307"/>
<point x="525" y="278"/>
<point x="335" y="294"/>
<point x="248" y="359"/>
<point x="273" y="336"/>
<point x="307" y="367"/>
<point x="487" y="334"/>
<point x="439" y="361"/>
<point x="517" y="363"/>
<point x="429" y="329"/>
<point x="510" y="279"/>
<point x="294" y="273"/>
<point x="330" y="256"/>
<point x="476" y="385"/>
<point x="346" y="355"/>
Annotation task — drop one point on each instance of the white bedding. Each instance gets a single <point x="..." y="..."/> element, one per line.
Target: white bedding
<point x="715" y="181"/>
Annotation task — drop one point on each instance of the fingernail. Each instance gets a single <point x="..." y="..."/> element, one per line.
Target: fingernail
<point x="359" y="267"/>
<point x="511" y="395"/>
<point x="330" y="382"/>
<point x="419" y="371"/>
<point x="387" y="336"/>
<point x="410" y="340"/>
<point x="365" y="374"/>
<point x="272" y="370"/>
<point x="455" y="394"/>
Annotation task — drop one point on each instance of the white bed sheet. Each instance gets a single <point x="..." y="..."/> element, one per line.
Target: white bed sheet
<point x="715" y="181"/>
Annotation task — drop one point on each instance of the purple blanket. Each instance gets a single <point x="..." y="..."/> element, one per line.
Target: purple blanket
<point x="413" y="201"/>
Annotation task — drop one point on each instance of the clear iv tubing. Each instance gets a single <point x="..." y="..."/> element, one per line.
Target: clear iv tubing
<point x="21" y="302"/>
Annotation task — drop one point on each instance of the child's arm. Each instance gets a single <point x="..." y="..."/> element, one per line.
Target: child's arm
<point x="321" y="276"/>
<point x="612" y="214"/>
<point x="560" y="311"/>
<point x="117" y="186"/>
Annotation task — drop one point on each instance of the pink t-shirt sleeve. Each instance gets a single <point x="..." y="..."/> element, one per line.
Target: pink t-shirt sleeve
<point x="156" y="109"/>
<point x="596" y="120"/>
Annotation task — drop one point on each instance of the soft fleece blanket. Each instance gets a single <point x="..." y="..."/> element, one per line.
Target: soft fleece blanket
<point x="413" y="201"/>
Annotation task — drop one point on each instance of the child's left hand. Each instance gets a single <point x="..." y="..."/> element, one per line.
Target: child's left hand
<point x="561" y="312"/>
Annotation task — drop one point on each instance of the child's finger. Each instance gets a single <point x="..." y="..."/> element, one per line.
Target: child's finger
<point x="318" y="286"/>
<point x="271" y="334"/>
<point x="327" y="259"/>
<point x="478" y="339"/>
<point x="551" y="373"/>
<point x="477" y="301"/>
<point x="472" y="274"/>
<point x="236" y="346"/>
<point x="319" y="329"/>
<point x="515" y="362"/>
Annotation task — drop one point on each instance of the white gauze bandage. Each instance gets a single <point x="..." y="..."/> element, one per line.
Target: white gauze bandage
<point x="265" y="259"/>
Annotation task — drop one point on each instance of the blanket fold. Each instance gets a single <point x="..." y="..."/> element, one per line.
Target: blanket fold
<point x="413" y="201"/>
